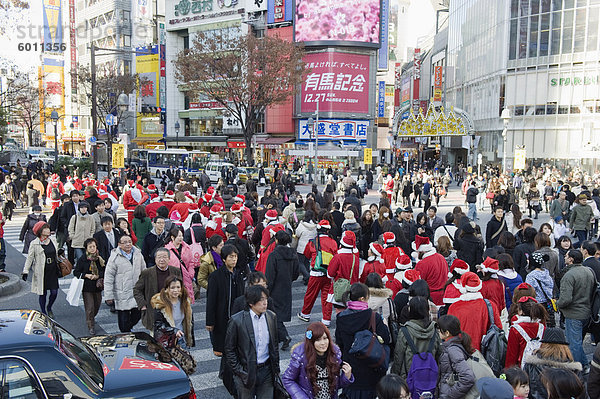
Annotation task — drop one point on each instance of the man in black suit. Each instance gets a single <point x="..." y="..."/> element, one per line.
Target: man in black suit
<point x="338" y="219"/>
<point x="588" y="249"/>
<point x="69" y="209"/>
<point x="245" y="255"/>
<point x="108" y="238"/>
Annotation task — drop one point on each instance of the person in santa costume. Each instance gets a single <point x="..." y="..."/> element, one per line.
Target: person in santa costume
<point x="133" y="197"/>
<point x="318" y="280"/>
<point x="152" y="191"/>
<point x="207" y="202"/>
<point x="246" y="214"/>
<point x="452" y="290"/>
<point x="471" y="309"/>
<point x="388" y="187"/>
<point x="344" y="264"/>
<point x="215" y="195"/>
<point x="402" y="296"/>
<point x="432" y="266"/>
<point x="69" y="185"/>
<point x="267" y="243"/>
<point x="375" y="262"/>
<point x="54" y="190"/>
<point x="492" y="288"/>
<point x="192" y="210"/>
<point x="169" y="200"/>
<point x="390" y="251"/>
<point x="215" y="224"/>
<point x="238" y="219"/>
<point x="104" y="193"/>
<point x="393" y="278"/>
<point x="153" y="206"/>
<point x="530" y="324"/>
<point x="182" y="208"/>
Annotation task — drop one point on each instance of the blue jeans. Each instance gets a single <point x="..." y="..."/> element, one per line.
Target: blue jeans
<point x="472" y="211"/>
<point x="574" y="335"/>
<point x="79" y="252"/>
<point x="2" y="254"/>
<point x="582" y="235"/>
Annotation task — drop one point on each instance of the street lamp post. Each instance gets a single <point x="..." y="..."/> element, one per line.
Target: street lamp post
<point x="315" y="131"/>
<point x="177" y="127"/>
<point x="71" y="126"/>
<point x="505" y="119"/>
<point x="54" y="117"/>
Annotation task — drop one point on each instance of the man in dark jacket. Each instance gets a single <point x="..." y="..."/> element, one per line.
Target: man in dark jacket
<point x="156" y="238"/>
<point x="245" y="255"/>
<point x="282" y="268"/>
<point x="151" y="281"/>
<point x="107" y="238"/>
<point x="593" y="385"/>
<point x="338" y="219"/>
<point x="523" y="251"/>
<point x="472" y="193"/>
<point x="468" y="246"/>
<point x="254" y="366"/>
<point x="55" y="225"/>
<point x="92" y="199"/>
<point x="495" y="227"/>
<point x="353" y="200"/>
<point x="224" y="285"/>
<point x="588" y="250"/>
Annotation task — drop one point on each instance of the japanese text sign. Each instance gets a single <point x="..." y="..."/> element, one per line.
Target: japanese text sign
<point x="437" y="83"/>
<point x="339" y="82"/>
<point x="334" y="129"/>
<point x="141" y="364"/>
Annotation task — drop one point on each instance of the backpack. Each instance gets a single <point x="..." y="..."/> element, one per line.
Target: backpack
<point x="196" y="249"/>
<point x="480" y="368"/>
<point x="533" y="344"/>
<point x="423" y="374"/>
<point x="55" y="193"/>
<point x="369" y="348"/>
<point x="494" y="343"/>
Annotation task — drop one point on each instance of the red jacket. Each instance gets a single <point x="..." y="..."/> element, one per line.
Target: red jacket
<point x="341" y="266"/>
<point x="266" y="235"/>
<point x="493" y="289"/>
<point x="434" y="270"/>
<point x="516" y="342"/>
<point x="152" y="207"/>
<point x="326" y="244"/>
<point x="183" y="208"/>
<point x="377" y="266"/>
<point x="215" y="227"/>
<point x="390" y="254"/>
<point x="473" y="316"/>
<point x="169" y="204"/>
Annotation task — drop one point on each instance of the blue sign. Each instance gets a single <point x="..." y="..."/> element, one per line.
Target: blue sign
<point x="92" y="140"/>
<point x="334" y="129"/>
<point x="111" y="120"/>
<point x="383" y="52"/>
<point x="279" y="11"/>
<point x="101" y="132"/>
<point x="381" y="99"/>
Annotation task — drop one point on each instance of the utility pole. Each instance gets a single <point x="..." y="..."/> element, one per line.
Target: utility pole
<point x="94" y="111"/>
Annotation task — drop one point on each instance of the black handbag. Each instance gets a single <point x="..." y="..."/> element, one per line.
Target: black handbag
<point x="369" y="348"/>
<point x="279" y="391"/>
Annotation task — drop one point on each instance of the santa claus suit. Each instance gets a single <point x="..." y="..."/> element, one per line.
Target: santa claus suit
<point x="452" y="291"/>
<point x="270" y="229"/>
<point x="78" y="184"/>
<point x="471" y="310"/>
<point x="433" y="268"/>
<point x="318" y="281"/>
<point x="193" y="209"/>
<point x="267" y="243"/>
<point x="345" y="264"/>
<point x="375" y="266"/>
<point x="182" y="208"/>
<point x="169" y="200"/>
<point x="239" y="221"/>
<point x="69" y="186"/>
<point x="132" y="198"/>
<point x="394" y="277"/>
<point x="54" y="184"/>
<point x="516" y="341"/>
<point x="389" y="187"/>
<point x="153" y="206"/>
<point x="492" y="288"/>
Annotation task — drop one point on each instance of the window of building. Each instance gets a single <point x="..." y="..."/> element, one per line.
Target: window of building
<point x="260" y="123"/>
<point x="519" y="110"/>
<point x="579" y="36"/>
<point x="514" y="8"/>
<point x="126" y="15"/>
<point x="556" y="31"/>
<point x="512" y="51"/>
<point x="544" y="34"/>
<point x="567" y="39"/>
<point x="540" y="110"/>
<point x="545" y="6"/>
<point x="535" y="7"/>
<point x="592" y="36"/>
<point x="575" y="109"/>
<point x="533" y="35"/>
<point x="186" y="42"/>
<point x="563" y="109"/>
<point x="524" y="8"/>
<point x="523" y="37"/>
<point x="551" y="108"/>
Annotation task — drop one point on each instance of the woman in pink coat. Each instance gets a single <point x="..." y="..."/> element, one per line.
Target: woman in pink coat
<point x="181" y="256"/>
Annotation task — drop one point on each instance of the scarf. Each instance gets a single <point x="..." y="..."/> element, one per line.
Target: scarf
<point x="95" y="260"/>
<point x="217" y="258"/>
<point x="357" y="305"/>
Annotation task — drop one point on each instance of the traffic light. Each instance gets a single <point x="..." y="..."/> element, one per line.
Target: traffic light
<point x="149" y="109"/>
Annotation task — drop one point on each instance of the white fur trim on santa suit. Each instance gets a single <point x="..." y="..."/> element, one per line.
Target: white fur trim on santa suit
<point x="400" y="266"/>
<point x="466" y="289"/>
<point x="211" y="225"/>
<point x="399" y="275"/>
<point x="136" y="194"/>
<point x="458" y="271"/>
<point x="236" y="221"/>
<point x="423" y="247"/>
<point x="485" y="269"/>
<point x="470" y="296"/>
<point x="345" y="250"/>
<point x="372" y="248"/>
<point x="155" y="199"/>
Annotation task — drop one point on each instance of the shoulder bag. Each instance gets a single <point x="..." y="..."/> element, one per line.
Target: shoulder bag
<point x="369" y="348"/>
<point x="342" y="285"/>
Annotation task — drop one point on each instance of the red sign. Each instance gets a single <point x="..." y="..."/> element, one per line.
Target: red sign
<point x="141" y="364"/>
<point x="339" y="82"/>
<point x="279" y="11"/>
<point x="236" y="144"/>
<point x="206" y="105"/>
<point x="437" y="83"/>
<point x="416" y="79"/>
<point x="73" y="43"/>
<point x="397" y="78"/>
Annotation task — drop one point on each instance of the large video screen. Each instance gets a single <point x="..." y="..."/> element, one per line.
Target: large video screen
<point x="342" y="21"/>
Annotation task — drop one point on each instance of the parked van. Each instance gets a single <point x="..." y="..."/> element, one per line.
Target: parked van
<point x="213" y="169"/>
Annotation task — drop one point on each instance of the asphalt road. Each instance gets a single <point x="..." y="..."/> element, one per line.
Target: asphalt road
<point x="205" y="380"/>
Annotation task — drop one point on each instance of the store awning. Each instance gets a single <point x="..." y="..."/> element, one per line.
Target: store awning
<point x="273" y="140"/>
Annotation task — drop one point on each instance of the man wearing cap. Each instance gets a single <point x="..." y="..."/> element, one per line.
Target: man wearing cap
<point x="245" y="254"/>
<point x="581" y="215"/>
<point x="320" y="251"/>
<point x="81" y="227"/>
<point x="432" y="266"/>
<point x="408" y="225"/>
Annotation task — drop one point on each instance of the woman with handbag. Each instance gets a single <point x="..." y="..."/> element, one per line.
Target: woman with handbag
<point x="530" y="325"/>
<point x="359" y="318"/>
<point x="181" y="257"/>
<point x="316" y="369"/>
<point x="173" y="318"/>
<point x="42" y="257"/>
<point x="542" y="282"/>
<point x="91" y="268"/>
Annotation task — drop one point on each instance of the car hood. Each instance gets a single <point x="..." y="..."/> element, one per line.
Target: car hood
<point x="135" y="357"/>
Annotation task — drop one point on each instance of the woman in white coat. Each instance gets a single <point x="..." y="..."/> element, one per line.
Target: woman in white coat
<point x="43" y="258"/>
<point x="122" y="272"/>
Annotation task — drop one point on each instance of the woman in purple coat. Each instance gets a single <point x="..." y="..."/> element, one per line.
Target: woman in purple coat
<point x="316" y="370"/>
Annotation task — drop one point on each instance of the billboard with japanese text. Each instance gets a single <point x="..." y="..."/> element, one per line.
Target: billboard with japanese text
<point x="338" y="81"/>
<point x="148" y="68"/>
<point x="334" y="129"/>
<point x="325" y="20"/>
<point x="279" y="11"/>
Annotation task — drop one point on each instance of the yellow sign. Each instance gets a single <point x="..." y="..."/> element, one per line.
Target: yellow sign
<point x="118" y="156"/>
<point x="368" y="156"/>
<point x="433" y="123"/>
<point x="520" y="156"/>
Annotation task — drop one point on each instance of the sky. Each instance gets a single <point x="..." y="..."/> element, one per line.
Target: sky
<point x="421" y="17"/>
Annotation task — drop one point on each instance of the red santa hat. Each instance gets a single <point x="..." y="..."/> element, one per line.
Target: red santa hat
<point x="175" y="216"/>
<point x="170" y="195"/>
<point x="410" y="276"/>
<point x="131" y="183"/>
<point x="348" y="240"/>
<point x="459" y="266"/>
<point x="210" y="190"/>
<point x="271" y="214"/>
<point x="403" y="262"/>
<point x="239" y="198"/>
<point x="151" y="188"/>
<point x="216" y="209"/>
<point x="452" y="293"/>
<point x="189" y="197"/>
<point x="376" y="248"/>
<point x="324" y="224"/>
<point x="193" y="208"/>
<point x="470" y="282"/>
<point x="523" y="286"/>
<point x="207" y="198"/>
<point x="422" y="244"/>
<point x="489" y="265"/>
<point x="101" y="187"/>
<point x="389" y="237"/>
<point x="236" y="208"/>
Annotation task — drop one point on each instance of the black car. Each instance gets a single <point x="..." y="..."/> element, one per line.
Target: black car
<point x="40" y="359"/>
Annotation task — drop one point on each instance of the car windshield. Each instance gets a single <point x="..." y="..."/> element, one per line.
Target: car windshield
<point x="80" y="355"/>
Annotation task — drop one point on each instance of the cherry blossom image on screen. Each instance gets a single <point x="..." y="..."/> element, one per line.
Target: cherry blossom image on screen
<point x="346" y="20"/>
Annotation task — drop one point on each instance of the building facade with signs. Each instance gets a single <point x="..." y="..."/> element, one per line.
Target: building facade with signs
<point x="204" y="124"/>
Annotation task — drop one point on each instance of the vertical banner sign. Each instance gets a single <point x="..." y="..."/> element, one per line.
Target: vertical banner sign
<point x="118" y="156"/>
<point x="53" y="26"/>
<point x="163" y="65"/>
<point x="416" y="80"/>
<point x="383" y="52"/>
<point x="279" y="11"/>
<point x="73" y="46"/>
<point x="397" y="81"/>
<point x="437" y="83"/>
<point x="381" y="99"/>
<point x="520" y="156"/>
<point x="368" y="156"/>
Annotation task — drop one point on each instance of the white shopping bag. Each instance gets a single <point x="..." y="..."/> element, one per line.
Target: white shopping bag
<point x="74" y="294"/>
